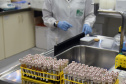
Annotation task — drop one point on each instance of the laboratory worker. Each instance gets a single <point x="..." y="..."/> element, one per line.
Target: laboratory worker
<point x="66" y="19"/>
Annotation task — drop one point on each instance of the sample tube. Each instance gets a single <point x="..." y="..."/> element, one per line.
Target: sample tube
<point x="69" y="76"/>
<point x="94" y="80"/>
<point x="103" y="81"/>
<point x="79" y="77"/>
<point x="33" y="68"/>
<point x="26" y="71"/>
<point x="91" y="78"/>
<point x="82" y="78"/>
<point x="30" y="67"/>
<point x="87" y="78"/>
<point x="74" y="77"/>
<point x="47" y="76"/>
<point x="44" y="70"/>
<point x="99" y="81"/>
<point x="54" y="72"/>
<point x="57" y="71"/>
<point x="110" y="81"/>
<point x="22" y="64"/>
<point x="51" y="65"/>
<point x="39" y="69"/>
<point x="65" y="75"/>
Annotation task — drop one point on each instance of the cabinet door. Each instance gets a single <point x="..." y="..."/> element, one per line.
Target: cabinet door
<point x="12" y="34"/>
<point x="29" y="29"/>
<point x="1" y="40"/>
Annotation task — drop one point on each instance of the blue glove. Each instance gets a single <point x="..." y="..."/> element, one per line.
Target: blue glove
<point x="63" y="25"/>
<point x="87" y="29"/>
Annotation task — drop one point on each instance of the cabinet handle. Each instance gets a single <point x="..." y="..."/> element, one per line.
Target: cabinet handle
<point x="22" y="18"/>
<point x="19" y="19"/>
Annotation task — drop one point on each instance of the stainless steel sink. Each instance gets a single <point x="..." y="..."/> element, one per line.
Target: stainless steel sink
<point x="91" y="56"/>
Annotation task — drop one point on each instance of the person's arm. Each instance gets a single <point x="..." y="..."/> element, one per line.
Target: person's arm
<point x="48" y="18"/>
<point x="89" y="13"/>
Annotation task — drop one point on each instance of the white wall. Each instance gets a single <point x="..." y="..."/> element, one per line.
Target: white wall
<point x="107" y="25"/>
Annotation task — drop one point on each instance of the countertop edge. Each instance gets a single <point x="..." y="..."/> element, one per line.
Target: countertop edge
<point x="14" y="11"/>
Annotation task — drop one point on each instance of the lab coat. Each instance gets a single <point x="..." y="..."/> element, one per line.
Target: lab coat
<point x="75" y="12"/>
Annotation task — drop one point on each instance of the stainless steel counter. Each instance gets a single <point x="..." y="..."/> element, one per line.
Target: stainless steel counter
<point x="92" y="54"/>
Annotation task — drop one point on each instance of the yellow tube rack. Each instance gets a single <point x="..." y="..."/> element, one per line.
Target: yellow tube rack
<point x="120" y="61"/>
<point x="60" y="76"/>
<point x="117" y="81"/>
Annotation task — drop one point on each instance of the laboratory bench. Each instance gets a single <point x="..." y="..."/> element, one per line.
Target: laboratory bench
<point x="92" y="54"/>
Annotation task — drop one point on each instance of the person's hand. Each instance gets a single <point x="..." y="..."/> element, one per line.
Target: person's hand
<point x="87" y="29"/>
<point x="64" y="25"/>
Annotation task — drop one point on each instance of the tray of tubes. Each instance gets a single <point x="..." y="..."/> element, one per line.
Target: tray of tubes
<point x="47" y="70"/>
<point x="42" y="70"/>
<point x="77" y="73"/>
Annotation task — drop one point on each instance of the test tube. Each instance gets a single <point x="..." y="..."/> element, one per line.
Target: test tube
<point x="75" y="77"/>
<point x="106" y="79"/>
<point x="99" y="81"/>
<point x="65" y="75"/>
<point x="36" y="68"/>
<point x="79" y="77"/>
<point x="44" y="70"/>
<point x="51" y="64"/>
<point x="71" y="76"/>
<point x="39" y="69"/>
<point x="87" y="78"/>
<point x="21" y="61"/>
<point x="103" y="81"/>
<point x="26" y="71"/>
<point x="91" y="78"/>
<point x="22" y="64"/>
<point x="110" y="81"/>
<point x="47" y="70"/>
<point x="54" y="72"/>
<point x="57" y="71"/>
<point x="33" y="68"/>
<point x="82" y="78"/>
<point x="30" y="67"/>
<point x="94" y="80"/>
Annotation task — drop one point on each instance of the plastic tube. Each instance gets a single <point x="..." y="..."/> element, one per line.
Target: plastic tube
<point x="57" y="71"/>
<point x="79" y="78"/>
<point x="69" y="76"/>
<point x="54" y="72"/>
<point x="41" y="64"/>
<point x="47" y="70"/>
<point x="103" y="81"/>
<point x="75" y="77"/>
<point x="65" y="75"/>
<point x="110" y="81"/>
<point x="87" y="78"/>
<point x="51" y="64"/>
<point x="44" y="70"/>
